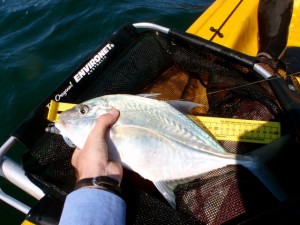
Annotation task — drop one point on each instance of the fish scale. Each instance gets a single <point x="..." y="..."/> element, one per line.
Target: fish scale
<point x="164" y="115"/>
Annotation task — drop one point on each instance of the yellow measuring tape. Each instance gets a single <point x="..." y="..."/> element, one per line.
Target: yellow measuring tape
<point x="238" y="130"/>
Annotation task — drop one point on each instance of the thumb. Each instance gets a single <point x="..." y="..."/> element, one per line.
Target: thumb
<point x="95" y="145"/>
<point x="103" y="123"/>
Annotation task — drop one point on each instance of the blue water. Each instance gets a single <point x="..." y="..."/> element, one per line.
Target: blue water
<point x="42" y="42"/>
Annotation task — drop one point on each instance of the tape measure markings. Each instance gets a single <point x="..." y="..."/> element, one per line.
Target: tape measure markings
<point x="253" y="131"/>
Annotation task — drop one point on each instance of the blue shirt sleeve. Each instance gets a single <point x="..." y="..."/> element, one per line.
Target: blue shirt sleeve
<point x="93" y="206"/>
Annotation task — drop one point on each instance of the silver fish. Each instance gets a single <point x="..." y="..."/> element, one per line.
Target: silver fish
<point x="157" y="141"/>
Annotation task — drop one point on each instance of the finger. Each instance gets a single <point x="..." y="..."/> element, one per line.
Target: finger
<point x="96" y="147"/>
<point x="96" y="143"/>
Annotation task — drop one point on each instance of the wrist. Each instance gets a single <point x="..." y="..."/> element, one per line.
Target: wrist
<point x="89" y="172"/>
<point x="99" y="172"/>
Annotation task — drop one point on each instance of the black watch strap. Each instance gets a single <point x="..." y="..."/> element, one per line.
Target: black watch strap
<point x="102" y="182"/>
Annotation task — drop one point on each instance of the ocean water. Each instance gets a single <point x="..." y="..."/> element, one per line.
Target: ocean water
<point x="42" y="42"/>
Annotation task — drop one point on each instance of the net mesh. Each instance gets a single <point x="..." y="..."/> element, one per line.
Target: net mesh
<point x="156" y="64"/>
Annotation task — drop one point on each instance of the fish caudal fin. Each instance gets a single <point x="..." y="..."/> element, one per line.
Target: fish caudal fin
<point x="270" y="181"/>
<point x="259" y="168"/>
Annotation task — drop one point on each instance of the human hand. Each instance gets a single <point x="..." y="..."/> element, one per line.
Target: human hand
<point x="92" y="160"/>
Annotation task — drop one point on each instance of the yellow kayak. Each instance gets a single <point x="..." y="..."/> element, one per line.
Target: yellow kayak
<point x="234" y="24"/>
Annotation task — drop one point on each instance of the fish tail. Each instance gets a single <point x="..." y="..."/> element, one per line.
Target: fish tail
<point x="268" y="152"/>
<point x="257" y="165"/>
<point x="264" y="174"/>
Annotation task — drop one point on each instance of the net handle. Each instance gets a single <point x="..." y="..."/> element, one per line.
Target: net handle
<point x="14" y="173"/>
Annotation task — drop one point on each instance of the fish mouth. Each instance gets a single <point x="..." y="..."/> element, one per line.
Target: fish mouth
<point x="51" y="128"/>
<point x="55" y="128"/>
<point x="59" y="126"/>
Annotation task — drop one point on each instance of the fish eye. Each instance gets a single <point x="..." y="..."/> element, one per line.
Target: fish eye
<point x="83" y="109"/>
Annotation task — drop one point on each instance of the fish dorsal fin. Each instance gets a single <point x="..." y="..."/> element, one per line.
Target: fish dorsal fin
<point x="184" y="107"/>
<point x="150" y="95"/>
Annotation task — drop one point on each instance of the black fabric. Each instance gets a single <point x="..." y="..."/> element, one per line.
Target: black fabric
<point x="223" y="195"/>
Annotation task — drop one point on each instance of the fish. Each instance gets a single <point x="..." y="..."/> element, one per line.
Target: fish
<point x="157" y="140"/>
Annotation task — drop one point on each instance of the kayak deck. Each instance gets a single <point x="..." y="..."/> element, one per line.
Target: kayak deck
<point x="234" y="24"/>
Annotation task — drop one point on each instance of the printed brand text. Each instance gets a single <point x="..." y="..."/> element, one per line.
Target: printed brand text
<point x="93" y="63"/>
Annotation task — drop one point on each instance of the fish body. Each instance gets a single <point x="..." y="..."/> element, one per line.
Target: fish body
<point x="152" y="138"/>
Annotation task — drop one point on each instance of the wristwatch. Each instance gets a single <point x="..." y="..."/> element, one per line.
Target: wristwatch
<point x="101" y="182"/>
